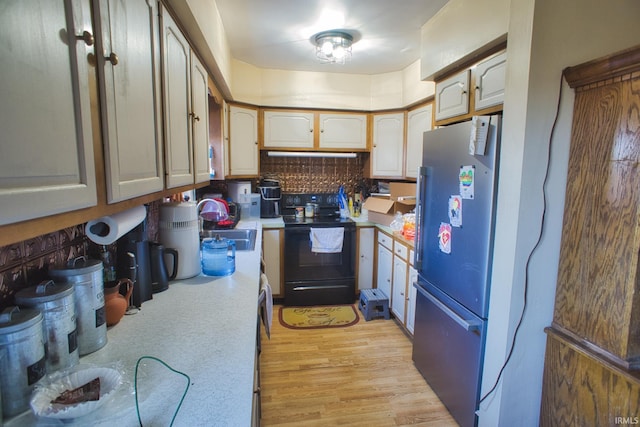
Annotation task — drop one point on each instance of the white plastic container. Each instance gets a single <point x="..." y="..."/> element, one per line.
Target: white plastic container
<point x="178" y="229"/>
<point x="240" y="191"/>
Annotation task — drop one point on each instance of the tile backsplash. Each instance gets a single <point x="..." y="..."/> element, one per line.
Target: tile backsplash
<point x="314" y="174"/>
<point x="26" y="263"/>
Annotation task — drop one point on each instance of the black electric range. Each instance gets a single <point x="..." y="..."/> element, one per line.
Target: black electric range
<point x="313" y="278"/>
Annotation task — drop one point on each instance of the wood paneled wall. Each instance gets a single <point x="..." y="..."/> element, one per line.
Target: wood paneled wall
<point x="593" y="345"/>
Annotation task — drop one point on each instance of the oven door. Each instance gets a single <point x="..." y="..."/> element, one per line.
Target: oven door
<point x="318" y="278"/>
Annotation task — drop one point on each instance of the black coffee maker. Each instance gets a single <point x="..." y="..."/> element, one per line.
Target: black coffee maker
<point x="270" y="195"/>
<point x="138" y="268"/>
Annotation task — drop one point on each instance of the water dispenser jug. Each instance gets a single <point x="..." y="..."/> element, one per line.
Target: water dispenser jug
<point x="218" y="256"/>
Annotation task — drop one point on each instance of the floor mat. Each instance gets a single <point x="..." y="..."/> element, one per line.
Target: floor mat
<point x="327" y="316"/>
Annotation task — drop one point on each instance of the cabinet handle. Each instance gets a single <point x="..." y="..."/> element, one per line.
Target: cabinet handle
<point x="87" y="37"/>
<point x="113" y="58"/>
<point x="464" y="91"/>
<point x="311" y="130"/>
<point x="194" y="117"/>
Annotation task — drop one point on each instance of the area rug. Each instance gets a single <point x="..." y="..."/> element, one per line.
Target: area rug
<point x="327" y="316"/>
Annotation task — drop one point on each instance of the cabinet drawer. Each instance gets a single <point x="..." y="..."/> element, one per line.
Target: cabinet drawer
<point x="385" y="240"/>
<point x="400" y="250"/>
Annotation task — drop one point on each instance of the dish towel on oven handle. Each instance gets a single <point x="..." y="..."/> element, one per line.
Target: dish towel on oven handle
<point x="326" y="240"/>
<point x="266" y="303"/>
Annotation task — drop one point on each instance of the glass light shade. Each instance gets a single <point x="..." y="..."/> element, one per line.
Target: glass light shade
<point x="333" y="46"/>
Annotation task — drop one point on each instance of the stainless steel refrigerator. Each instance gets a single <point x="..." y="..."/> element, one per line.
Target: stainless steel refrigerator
<point x="455" y="212"/>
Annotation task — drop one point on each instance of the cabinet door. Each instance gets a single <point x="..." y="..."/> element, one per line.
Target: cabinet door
<point x="411" y="300"/>
<point x="387" y="152"/>
<point x="47" y="163"/>
<point x="452" y="96"/>
<point x="398" y="299"/>
<point x="272" y="252"/>
<point x="384" y="269"/>
<point x="489" y="78"/>
<point x="365" y="258"/>
<point x="225" y="138"/>
<point x="243" y="141"/>
<point x="200" y="118"/>
<point x="348" y="131"/>
<point x="419" y="121"/>
<point x="130" y="97"/>
<point x="177" y="104"/>
<point x="284" y="129"/>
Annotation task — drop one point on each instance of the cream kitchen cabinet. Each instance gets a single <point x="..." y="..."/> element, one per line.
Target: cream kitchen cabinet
<point x="419" y="121"/>
<point x="243" y="141"/>
<point x="225" y="138"/>
<point x="452" y="96"/>
<point x="343" y="131"/>
<point x="399" y="289"/>
<point x="129" y="72"/>
<point x="489" y="80"/>
<point x="177" y="104"/>
<point x="47" y="163"/>
<point x="384" y="268"/>
<point x="411" y="294"/>
<point x="272" y="246"/>
<point x="199" y="117"/>
<point x="388" y="145"/>
<point x="288" y="129"/>
<point x="365" y="257"/>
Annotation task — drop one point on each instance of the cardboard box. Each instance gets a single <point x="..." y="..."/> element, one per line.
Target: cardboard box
<point x="402" y="198"/>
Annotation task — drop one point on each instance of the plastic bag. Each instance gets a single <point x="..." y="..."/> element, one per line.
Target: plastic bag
<point x="397" y="223"/>
<point x="115" y="392"/>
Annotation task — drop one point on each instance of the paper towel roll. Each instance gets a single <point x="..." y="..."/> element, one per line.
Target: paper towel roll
<point x="107" y="229"/>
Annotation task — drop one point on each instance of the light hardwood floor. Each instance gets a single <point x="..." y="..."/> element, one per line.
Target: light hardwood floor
<point x="360" y="375"/>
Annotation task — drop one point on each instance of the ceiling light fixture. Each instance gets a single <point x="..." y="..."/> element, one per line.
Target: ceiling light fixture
<point x="333" y="46"/>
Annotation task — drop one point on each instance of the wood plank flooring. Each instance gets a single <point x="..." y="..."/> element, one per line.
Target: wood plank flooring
<point x="360" y="375"/>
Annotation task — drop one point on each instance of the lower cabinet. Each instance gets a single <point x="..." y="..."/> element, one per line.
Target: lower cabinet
<point x="272" y="254"/>
<point x="384" y="267"/>
<point x="396" y="275"/>
<point x="399" y="299"/>
<point x="411" y="299"/>
<point x="364" y="279"/>
<point x="399" y="288"/>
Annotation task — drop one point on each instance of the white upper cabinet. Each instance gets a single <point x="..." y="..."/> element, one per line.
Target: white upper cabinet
<point x="177" y="104"/>
<point x="243" y="141"/>
<point x="343" y="131"/>
<point x="452" y="96"/>
<point x="419" y="121"/>
<point x="489" y="78"/>
<point x="225" y="138"/>
<point x="47" y="164"/>
<point x="388" y="145"/>
<point x="129" y="69"/>
<point x="286" y="129"/>
<point x="200" y="119"/>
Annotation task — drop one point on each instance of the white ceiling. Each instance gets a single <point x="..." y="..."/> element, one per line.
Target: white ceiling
<point x="276" y="34"/>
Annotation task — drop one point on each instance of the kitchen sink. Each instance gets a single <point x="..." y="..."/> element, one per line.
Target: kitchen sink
<point x="245" y="239"/>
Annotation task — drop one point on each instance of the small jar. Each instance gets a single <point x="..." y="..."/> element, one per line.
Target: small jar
<point x="309" y="210"/>
<point x="300" y="212"/>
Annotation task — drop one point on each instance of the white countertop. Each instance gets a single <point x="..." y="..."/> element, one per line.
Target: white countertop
<point x="204" y="327"/>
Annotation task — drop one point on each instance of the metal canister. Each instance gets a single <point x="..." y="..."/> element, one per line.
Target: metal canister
<point x="56" y="302"/>
<point x="86" y="277"/>
<point x="22" y="359"/>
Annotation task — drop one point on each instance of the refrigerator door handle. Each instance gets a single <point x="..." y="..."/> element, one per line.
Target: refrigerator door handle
<point x="422" y="175"/>
<point x="468" y="325"/>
